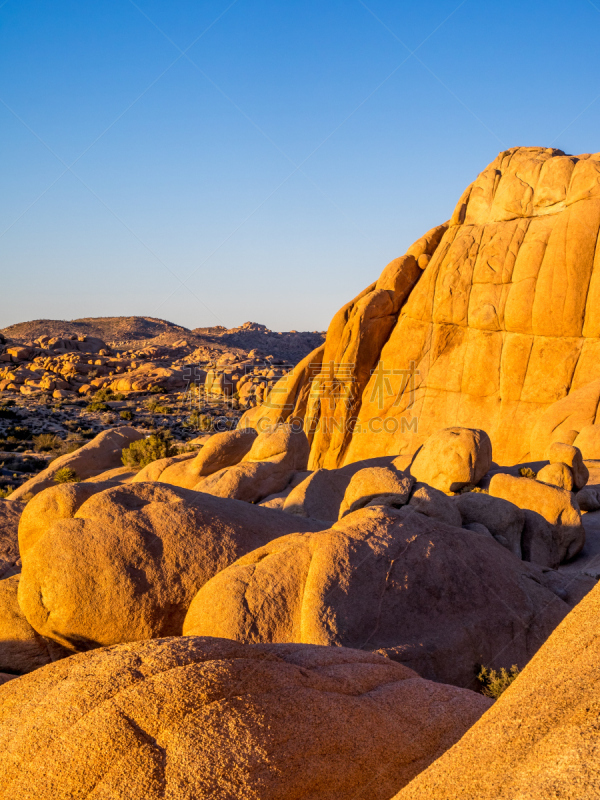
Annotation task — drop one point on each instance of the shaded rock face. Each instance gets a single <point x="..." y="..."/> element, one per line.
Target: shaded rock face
<point x="540" y="739"/>
<point x="438" y="598"/>
<point x="501" y="329"/>
<point x="208" y="718"/>
<point x="21" y="648"/>
<point x="10" y="513"/>
<point x="125" y="563"/>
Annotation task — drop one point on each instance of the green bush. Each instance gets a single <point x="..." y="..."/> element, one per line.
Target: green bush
<point x="494" y="683"/>
<point x="97" y="405"/>
<point x="19" y="432"/>
<point x="527" y="472"/>
<point x="470" y="487"/>
<point x="198" y="421"/>
<point x="6" y="492"/>
<point x="156" y="390"/>
<point x="127" y="415"/>
<point x="143" y="452"/>
<point x="155" y="407"/>
<point x="66" y="475"/>
<point x="47" y="443"/>
<point x="7" y="413"/>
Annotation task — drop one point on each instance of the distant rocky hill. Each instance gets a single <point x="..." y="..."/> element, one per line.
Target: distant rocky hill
<point x="130" y="332"/>
<point x="107" y="328"/>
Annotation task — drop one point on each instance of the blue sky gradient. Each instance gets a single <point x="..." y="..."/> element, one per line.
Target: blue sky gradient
<point x="260" y="160"/>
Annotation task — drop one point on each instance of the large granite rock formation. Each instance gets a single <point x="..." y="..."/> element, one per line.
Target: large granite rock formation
<point x="540" y="739"/>
<point x="489" y="321"/>
<point x="207" y="718"/>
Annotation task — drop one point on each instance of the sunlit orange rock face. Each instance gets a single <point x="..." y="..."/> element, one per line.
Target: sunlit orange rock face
<point x="490" y="321"/>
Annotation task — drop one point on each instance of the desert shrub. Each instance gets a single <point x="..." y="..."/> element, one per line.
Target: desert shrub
<point x="493" y="683"/>
<point x="527" y="472"/>
<point x="6" y="492"/>
<point x="143" y="452"/>
<point x="7" y="413"/>
<point x="155" y="407"/>
<point x="198" y="421"/>
<point x="470" y="487"/>
<point x="97" y="405"/>
<point x="47" y="443"/>
<point x="66" y="475"/>
<point x="127" y="415"/>
<point x="19" y="432"/>
<point x="156" y="390"/>
<point x="107" y="393"/>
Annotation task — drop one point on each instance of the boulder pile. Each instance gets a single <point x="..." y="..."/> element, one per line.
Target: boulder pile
<point x="312" y="603"/>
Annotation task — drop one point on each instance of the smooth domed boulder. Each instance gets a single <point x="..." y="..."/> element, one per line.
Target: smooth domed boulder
<point x="99" y="455"/>
<point x="281" y="444"/>
<point x="276" y="454"/>
<point x="557" y="506"/>
<point x="208" y="718"/>
<point x="540" y="738"/>
<point x="21" y="648"/>
<point x="559" y="453"/>
<point x="433" y="503"/>
<point x="588" y="499"/>
<point x="153" y="470"/>
<point x="379" y="485"/>
<point x="222" y="450"/>
<point x="10" y="514"/>
<point x="54" y="503"/>
<point x="537" y="541"/>
<point x="500" y="517"/>
<point x="557" y="474"/>
<point x="437" y="598"/>
<point x="453" y="458"/>
<point x="128" y="562"/>
<point x="319" y="495"/>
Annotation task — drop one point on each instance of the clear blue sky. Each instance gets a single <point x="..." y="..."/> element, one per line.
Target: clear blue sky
<point x="274" y="155"/>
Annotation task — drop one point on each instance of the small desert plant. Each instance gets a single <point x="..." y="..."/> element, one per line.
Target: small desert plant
<point x="47" y="443"/>
<point x="97" y="405"/>
<point x="126" y="415"/>
<point x="156" y="390"/>
<point x="107" y="393"/>
<point x="66" y="475"/>
<point x="527" y="472"/>
<point x="493" y="683"/>
<point x="201" y="422"/>
<point x="7" y="413"/>
<point x="155" y="407"/>
<point x="470" y="487"/>
<point x="143" y="452"/>
<point x="19" y="432"/>
<point x="6" y="492"/>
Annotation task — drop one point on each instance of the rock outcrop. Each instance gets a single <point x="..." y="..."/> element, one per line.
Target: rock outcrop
<point x="557" y="506"/>
<point x="125" y="563"/>
<point x="207" y="718"/>
<point x="267" y="468"/>
<point x="101" y="454"/>
<point x="440" y="599"/>
<point x="540" y="739"/>
<point x="499" y="331"/>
